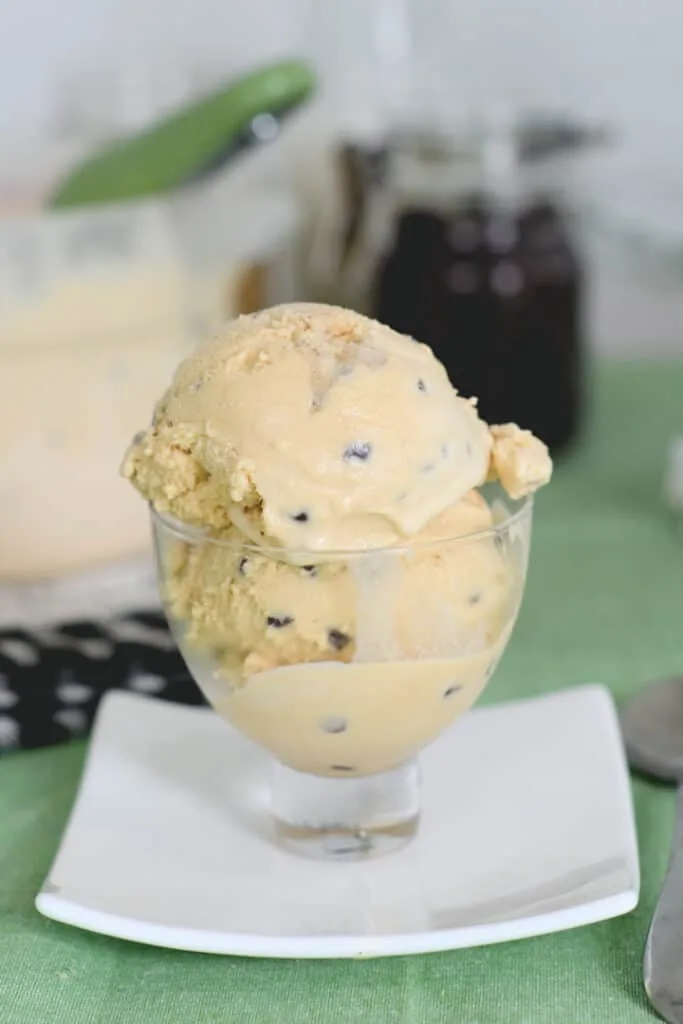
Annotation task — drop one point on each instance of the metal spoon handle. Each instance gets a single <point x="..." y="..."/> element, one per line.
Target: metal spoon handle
<point x="663" y="962"/>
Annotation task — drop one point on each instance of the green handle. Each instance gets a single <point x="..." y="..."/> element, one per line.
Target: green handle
<point x="187" y="143"/>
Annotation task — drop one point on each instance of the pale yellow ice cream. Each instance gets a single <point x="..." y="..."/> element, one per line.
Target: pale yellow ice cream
<point x="348" y="665"/>
<point x="344" y="720"/>
<point x="254" y="611"/>
<point x="312" y="427"/>
<point x="336" y="470"/>
<point x="519" y="460"/>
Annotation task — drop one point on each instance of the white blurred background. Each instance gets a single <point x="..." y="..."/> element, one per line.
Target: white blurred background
<point x="619" y="58"/>
<point x="617" y="61"/>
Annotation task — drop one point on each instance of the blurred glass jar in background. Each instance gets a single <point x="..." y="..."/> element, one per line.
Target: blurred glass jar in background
<point x="96" y="311"/>
<point x="482" y="263"/>
<point x="97" y="307"/>
<point x="466" y="242"/>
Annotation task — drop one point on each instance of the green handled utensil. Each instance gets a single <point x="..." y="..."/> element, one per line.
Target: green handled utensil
<point x="190" y="142"/>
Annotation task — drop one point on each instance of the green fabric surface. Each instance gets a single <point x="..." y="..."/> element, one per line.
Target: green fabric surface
<point x="604" y="603"/>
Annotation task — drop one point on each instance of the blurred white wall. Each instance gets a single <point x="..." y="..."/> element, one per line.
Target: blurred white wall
<point x="43" y="43"/>
<point x="615" y="59"/>
<point x="620" y="58"/>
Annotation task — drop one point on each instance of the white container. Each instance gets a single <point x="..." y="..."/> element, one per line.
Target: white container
<point x="96" y="310"/>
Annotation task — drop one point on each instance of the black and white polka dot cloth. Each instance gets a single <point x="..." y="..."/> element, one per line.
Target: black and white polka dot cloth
<point x="52" y="679"/>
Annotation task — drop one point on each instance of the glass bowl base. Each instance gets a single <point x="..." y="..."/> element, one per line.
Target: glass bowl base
<point x="345" y="819"/>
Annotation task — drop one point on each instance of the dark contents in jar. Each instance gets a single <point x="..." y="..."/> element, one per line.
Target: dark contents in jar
<point x="497" y="295"/>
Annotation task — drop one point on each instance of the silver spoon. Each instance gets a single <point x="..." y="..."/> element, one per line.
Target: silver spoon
<point x="652" y="723"/>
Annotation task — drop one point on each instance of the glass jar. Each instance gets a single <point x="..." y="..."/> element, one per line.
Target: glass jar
<point x="476" y="256"/>
<point x="97" y="307"/>
<point x="373" y="654"/>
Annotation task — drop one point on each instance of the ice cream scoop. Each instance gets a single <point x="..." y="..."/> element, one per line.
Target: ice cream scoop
<point x="313" y="427"/>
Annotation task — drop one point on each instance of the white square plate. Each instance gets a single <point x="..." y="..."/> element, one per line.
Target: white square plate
<point x="527" y="828"/>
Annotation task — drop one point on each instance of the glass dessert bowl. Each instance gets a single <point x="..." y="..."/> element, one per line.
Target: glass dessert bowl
<point x="344" y="665"/>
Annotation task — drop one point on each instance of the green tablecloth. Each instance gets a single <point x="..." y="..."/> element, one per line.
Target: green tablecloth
<point x="604" y="602"/>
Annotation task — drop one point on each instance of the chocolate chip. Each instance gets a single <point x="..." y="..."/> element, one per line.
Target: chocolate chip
<point x="300" y="517"/>
<point x="342" y="768"/>
<point x="337" y="639"/>
<point x="475" y="597"/>
<point x="334" y="724"/>
<point x="456" y="688"/>
<point x="310" y="570"/>
<point x="358" y="451"/>
<point x="279" y="621"/>
<point x="421" y="386"/>
<point x="242" y="567"/>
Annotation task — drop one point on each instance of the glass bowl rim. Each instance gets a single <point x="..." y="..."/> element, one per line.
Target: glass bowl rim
<point x="200" y="535"/>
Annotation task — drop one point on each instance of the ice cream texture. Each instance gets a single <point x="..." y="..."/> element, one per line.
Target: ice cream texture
<point x="312" y="427"/>
<point x="258" y="612"/>
<point x="340" y="586"/>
